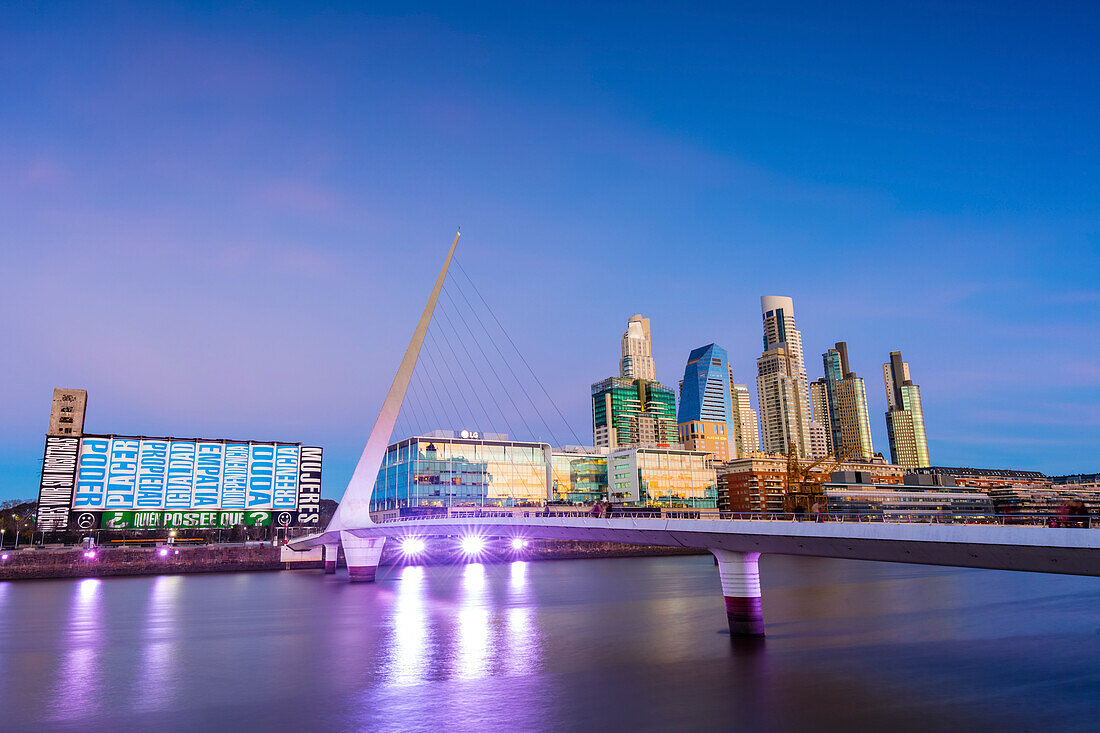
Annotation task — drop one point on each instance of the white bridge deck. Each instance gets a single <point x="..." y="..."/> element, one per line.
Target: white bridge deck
<point x="1073" y="551"/>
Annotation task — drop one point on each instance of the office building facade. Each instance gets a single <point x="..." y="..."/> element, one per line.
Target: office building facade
<point x="632" y="412"/>
<point x="666" y="477"/>
<point x="443" y="469"/>
<point x="904" y="415"/>
<point x="705" y="417"/>
<point x="579" y="474"/>
<point x="781" y="381"/>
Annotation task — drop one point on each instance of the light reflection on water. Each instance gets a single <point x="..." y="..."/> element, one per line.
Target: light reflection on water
<point x="78" y="681"/>
<point x="153" y="688"/>
<point x="636" y="644"/>
<point x="409" y="651"/>
<point x="471" y="661"/>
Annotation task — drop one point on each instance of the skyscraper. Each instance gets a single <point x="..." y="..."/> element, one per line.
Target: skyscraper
<point x="904" y="415"/>
<point x="781" y="381"/>
<point x="840" y="405"/>
<point x="819" y="400"/>
<point x="746" y="433"/>
<point x="637" y="361"/>
<point x="632" y="412"/>
<point x="819" y="441"/>
<point x="705" y="417"/>
<point x="835" y="364"/>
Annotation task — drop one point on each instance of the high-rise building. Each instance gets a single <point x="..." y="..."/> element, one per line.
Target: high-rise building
<point x="637" y="361"/>
<point x="819" y="440"/>
<point x="835" y="362"/>
<point x="746" y="433"/>
<point x="840" y="405"/>
<point x="781" y="381"/>
<point x="904" y="415"/>
<point x="706" y="412"/>
<point x="819" y="400"/>
<point x="632" y="412"/>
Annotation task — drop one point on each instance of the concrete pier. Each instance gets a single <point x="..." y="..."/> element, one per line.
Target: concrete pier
<point x="362" y="555"/>
<point x="331" y="554"/>
<point x="740" y="574"/>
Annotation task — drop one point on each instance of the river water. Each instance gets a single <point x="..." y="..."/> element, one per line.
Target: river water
<point x="636" y="644"/>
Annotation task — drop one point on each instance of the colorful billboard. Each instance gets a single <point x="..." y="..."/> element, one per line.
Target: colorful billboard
<point x="55" y="492"/>
<point x="127" y="479"/>
<point x="171" y="519"/>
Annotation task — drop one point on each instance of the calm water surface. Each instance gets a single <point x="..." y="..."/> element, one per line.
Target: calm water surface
<point x="629" y="644"/>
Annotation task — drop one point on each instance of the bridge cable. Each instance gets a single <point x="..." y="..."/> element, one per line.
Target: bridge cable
<point x="493" y="369"/>
<point x="465" y="375"/>
<point x="480" y="372"/>
<point x="504" y="360"/>
<point x="568" y="425"/>
<point x="454" y="381"/>
<point x="437" y="384"/>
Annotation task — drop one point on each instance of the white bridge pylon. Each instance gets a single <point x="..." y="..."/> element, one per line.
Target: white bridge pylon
<point x="736" y="544"/>
<point x="354" y="508"/>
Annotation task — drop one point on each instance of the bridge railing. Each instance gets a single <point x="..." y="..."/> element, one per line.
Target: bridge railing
<point x="888" y="516"/>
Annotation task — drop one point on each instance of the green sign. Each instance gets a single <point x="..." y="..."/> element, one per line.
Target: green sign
<point x="183" y="519"/>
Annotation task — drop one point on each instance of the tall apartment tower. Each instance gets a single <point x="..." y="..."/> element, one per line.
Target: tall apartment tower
<point x="746" y="433"/>
<point x="781" y="381"/>
<point x="637" y="361"/>
<point x="904" y="415"/>
<point x="840" y="405"/>
<point x="819" y="400"/>
<point x="705" y="417"/>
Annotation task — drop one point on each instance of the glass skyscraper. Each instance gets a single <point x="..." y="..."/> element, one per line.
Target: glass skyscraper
<point x="904" y="415"/>
<point x="705" y="417"/>
<point x="840" y="405"/>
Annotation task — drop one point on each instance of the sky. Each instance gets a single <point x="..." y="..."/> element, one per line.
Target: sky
<point x="223" y="221"/>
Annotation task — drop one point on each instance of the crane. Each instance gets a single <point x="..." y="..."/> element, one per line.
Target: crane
<point x="804" y="481"/>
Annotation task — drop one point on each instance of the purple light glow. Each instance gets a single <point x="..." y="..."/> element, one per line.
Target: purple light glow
<point x="413" y="545"/>
<point x="4" y="556"/>
<point x="519" y="543"/>
<point x="472" y="545"/>
<point x="90" y="554"/>
<point x="164" y="552"/>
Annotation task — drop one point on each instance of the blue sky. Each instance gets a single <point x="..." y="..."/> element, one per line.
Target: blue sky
<point x="224" y="221"/>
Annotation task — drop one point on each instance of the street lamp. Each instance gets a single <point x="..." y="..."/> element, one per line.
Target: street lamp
<point x="2" y="531"/>
<point x="16" y="518"/>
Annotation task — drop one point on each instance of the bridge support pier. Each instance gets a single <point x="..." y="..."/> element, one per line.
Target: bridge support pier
<point x="362" y="555"/>
<point x="331" y="552"/>
<point x="740" y="575"/>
